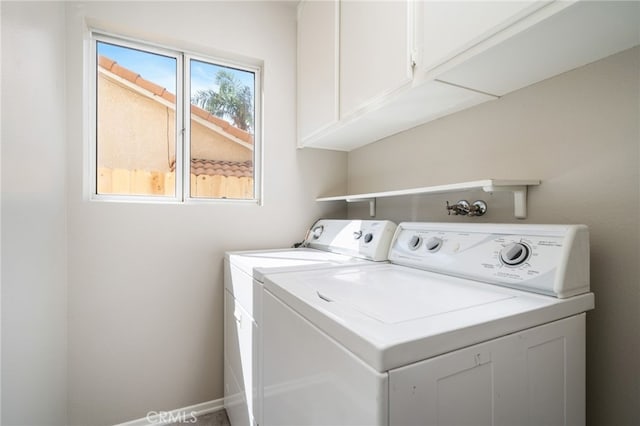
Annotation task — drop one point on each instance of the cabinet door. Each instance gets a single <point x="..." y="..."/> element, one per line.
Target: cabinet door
<point x="448" y="28"/>
<point x="375" y="51"/>
<point x="534" y="377"/>
<point x="317" y="66"/>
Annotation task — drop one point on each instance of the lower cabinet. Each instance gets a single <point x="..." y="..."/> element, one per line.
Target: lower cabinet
<point x="534" y="377"/>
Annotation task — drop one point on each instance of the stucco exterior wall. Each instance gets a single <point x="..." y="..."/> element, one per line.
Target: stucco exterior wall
<point x="138" y="132"/>
<point x="210" y="145"/>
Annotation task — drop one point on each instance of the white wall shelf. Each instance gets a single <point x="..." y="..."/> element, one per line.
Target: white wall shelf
<point x="518" y="187"/>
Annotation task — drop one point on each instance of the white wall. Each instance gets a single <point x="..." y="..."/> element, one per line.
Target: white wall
<point x="145" y="281"/>
<point x="579" y="133"/>
<point x="34" y="240"/>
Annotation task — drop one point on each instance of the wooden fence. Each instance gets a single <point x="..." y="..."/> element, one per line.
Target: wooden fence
<point x="142" y="182"/>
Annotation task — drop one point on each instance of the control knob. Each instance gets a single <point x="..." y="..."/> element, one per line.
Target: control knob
<point x="415" y="242"/>
<point x="433" y="244"/>
<point x="368" y="237"/>
<point x="317" y="231"/>
<point x="514" y="254"/>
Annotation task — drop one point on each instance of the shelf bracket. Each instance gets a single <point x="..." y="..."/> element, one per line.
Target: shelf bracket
<point x="371" y="201"/>
<point x="519" y="198"/>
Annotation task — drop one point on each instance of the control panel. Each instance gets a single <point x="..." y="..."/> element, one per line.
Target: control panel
<point x="547" y="259"/>
<point x="368" y="239"/>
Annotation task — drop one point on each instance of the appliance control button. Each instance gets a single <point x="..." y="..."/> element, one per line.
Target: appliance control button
<point x="514" y="254"/>
<point x="317" y="231"/>
<point x="433" y="244"/>
<point x="368" y="237"/>
<point x="415" y="242"/>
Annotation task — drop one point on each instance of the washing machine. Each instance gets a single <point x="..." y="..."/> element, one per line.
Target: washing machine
<point x="328" y="243"/>
<point x="468" y="324"/>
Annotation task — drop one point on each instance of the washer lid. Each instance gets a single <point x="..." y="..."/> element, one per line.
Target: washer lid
<point x="393" y="298"/>
<point x="390" y="315"/>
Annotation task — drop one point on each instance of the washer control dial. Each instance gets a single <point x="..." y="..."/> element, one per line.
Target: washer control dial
<point x="317" y="231"/>
<point x="415" y="242"/>
<point x="433" y="244"/>
<point x="368" y="237"/>
<point x="514" y="254"/>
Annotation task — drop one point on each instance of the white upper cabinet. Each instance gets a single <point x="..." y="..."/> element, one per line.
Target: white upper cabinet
<point x="318" y="38"/>
<point x="375" y="51"/>
<point x="363" y="89"/>
<point x="557" y="38"/>
<point x="446" y="29"/>
<point x="370" y="69"/>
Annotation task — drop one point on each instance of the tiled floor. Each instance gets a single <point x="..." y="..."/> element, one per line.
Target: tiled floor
<point x="219" y="418"/>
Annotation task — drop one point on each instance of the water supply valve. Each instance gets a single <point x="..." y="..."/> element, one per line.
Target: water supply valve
<point x="463" y="208"/>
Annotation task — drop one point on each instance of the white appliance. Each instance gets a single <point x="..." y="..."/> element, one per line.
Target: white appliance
<point x="328" y="243"/>
<point x="470" y="324"/>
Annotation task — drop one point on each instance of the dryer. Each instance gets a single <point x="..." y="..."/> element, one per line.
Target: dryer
<point x="328" y="243"/>
<point x="476" y="324"/>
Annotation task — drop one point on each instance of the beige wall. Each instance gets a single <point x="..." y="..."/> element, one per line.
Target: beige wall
<point x="579" y="134"/>
<point x="145" y="280"/>
<point x="34" y="223"/>
<point x="137" y="132"/>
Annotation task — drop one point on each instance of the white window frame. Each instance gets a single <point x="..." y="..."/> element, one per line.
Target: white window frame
<point x="182" y="125"/>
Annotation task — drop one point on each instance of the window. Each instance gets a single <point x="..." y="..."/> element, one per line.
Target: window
<point x="173" y="126"/>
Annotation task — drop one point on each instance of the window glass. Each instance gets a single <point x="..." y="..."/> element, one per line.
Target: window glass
<point x="222" y="131"/>
<point x="173" y="126"/>
<point x="135" y="121"/>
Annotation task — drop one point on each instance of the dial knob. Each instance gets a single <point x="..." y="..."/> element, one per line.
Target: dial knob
<point x="317" y="231"/>
<point x="433" y="244"/>
<point x="514" y="254"/>
<point x="415" y="242"/>
<point x="368" y="237"/>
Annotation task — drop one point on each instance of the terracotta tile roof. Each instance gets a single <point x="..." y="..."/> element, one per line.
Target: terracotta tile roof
<point x="224" y="168"/>
<point x="122" y="72"/>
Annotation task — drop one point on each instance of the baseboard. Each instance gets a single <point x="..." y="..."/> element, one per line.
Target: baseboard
<point x="156" y="418"/>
